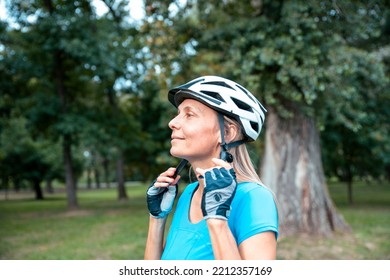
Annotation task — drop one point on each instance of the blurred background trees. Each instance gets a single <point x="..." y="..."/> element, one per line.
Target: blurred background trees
<point x="84" y="93"/>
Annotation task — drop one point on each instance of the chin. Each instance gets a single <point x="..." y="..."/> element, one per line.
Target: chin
<point x="175" y="154"/>
<point x="178" y="155"/>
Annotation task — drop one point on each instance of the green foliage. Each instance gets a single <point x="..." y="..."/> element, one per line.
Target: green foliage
<point x="65" y="72"/>
<point x="318" y="57"/>
<point x="24" y="158"/>
<point x="327" y="59"/>
<point x="287" y="52"/>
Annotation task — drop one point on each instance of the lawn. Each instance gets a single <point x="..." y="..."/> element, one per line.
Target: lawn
<point x="105" y="228"/>
<point x="369" y="218"/>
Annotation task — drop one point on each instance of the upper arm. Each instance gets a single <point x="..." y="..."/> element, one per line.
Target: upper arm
<point x="259" y="246"/>
<point x="255" y="223"/>
<point x="254" y="213"/>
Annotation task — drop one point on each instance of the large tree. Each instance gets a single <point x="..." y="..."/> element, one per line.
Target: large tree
<point x="304" y="60"/>
<point x="330" y="73"/>
<point x="69" y="58"/>
<point x="52" y="39"/>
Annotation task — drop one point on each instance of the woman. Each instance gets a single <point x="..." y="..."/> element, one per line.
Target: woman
<point x="227" y="213"/>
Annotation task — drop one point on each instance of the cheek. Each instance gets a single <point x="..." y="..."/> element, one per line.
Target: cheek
<point x="204" y="137"/>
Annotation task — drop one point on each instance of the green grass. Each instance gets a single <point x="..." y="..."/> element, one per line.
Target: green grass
<point x="105" y="228"/>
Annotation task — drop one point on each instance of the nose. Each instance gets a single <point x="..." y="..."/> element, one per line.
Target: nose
<point x="174" y="123"/>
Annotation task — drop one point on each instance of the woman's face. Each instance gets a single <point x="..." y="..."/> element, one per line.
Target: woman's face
<point x="195" y="132"/>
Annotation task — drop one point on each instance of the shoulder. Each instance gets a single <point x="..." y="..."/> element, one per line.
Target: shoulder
<point x="254" y="198"/>
<point x="253" y="211"/>
<point x="252" y="189"/>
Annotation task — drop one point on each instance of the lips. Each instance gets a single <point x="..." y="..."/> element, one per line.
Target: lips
<point x="176" y="138"/>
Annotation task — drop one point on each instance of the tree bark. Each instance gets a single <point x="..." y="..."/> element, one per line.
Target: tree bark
<point x="348" y="178"/>
<point x="38" y="190"/>
<point x="106" y="172"/>
<point x="89" y="179"/>
<point x="97" y="177"/>
<point x="122" y="195"/>
<point x="292" y="168"/>
<point x="69" y="175"/>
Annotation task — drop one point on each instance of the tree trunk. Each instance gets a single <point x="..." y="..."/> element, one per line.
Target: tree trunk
<point x="348" y="178"/>
<point x="122" y="195"/>
<point x="120" y="161"/>
<point x="59" y="79"/>
<point x="292" y="168"/>
<point x="89" y="179"/>
<point x="97" y="177"/>
<point x="38" y="190"/>
<point x="106" y="172"/>
<point x="69" y="176"/>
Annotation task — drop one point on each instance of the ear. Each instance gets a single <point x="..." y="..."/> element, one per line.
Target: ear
<point x="231" y="132"/>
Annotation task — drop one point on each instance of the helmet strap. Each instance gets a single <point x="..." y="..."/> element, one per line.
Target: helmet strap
<point x="225" y="155"/>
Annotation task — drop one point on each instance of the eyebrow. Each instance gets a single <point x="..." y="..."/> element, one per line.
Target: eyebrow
<point x="189" y="107"/>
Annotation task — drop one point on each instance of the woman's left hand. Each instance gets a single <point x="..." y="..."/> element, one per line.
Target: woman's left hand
<point x="219" y="190"/>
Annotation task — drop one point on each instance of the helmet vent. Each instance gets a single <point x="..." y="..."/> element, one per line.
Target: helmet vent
<point x="246" y="92"/>
<point x="188" y="85"/>
<point x="242" y="105"/>
<point x="222" y="84"/>
<point x="255" y="126"/>
<point x="213" y="94"/>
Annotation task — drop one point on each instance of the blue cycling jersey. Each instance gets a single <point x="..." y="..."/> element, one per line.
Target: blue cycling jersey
<point x="253" y="210"/>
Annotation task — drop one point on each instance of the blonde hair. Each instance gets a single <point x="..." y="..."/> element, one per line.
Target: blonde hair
<point x="242" y="162"/>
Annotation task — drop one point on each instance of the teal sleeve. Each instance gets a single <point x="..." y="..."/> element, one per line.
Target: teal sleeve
<point x="254" y="212"/>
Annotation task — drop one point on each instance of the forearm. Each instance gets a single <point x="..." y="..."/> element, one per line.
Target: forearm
<point x="222" y="240"/>
<point x="155" y="241"/>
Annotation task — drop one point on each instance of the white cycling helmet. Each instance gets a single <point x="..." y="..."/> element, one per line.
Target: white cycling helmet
<point x="226" y="97"/>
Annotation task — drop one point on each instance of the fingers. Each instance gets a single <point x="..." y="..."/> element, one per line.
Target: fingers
<point x="200" y="172"/>
<point x="219" y="163"/>
<point x="165" y="179"/>
<point x="176" y="180"/>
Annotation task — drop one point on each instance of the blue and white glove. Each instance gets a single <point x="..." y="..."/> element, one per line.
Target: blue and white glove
<point x="219" y="191"/>
<point x="160" y="200"/>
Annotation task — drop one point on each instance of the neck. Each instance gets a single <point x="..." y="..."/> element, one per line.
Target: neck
<point x="203" y="164"/>
<point x="208" y="164"/>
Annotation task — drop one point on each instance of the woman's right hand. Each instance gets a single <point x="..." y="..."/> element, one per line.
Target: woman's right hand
<point x="161" y="194"/>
